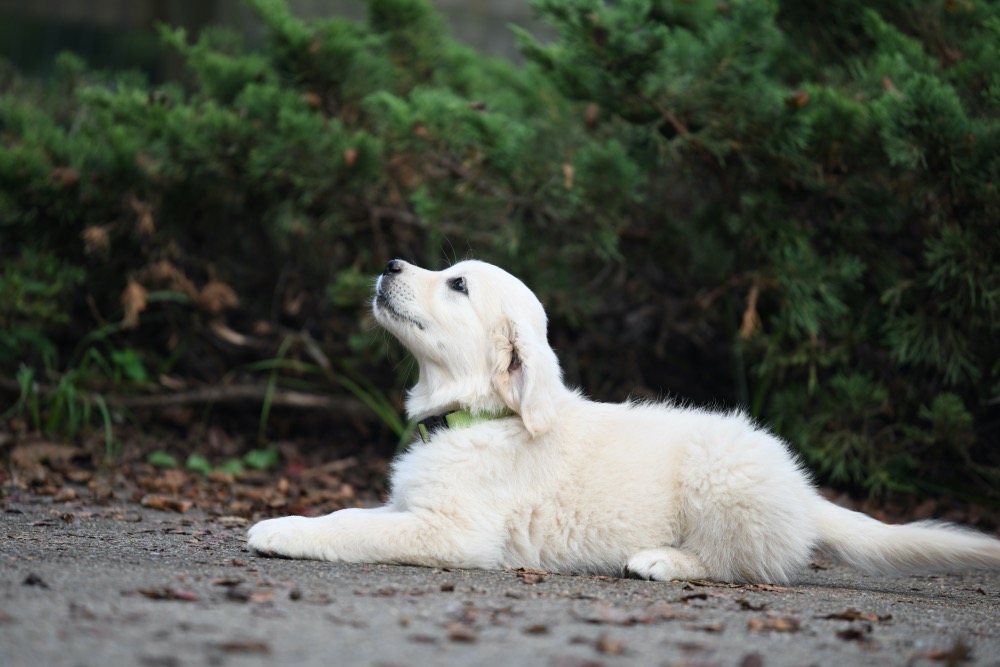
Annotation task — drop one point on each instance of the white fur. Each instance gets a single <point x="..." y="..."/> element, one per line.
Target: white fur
<point x="570" y="485"/>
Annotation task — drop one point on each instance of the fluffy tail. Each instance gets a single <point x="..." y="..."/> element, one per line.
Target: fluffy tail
<point x="875" y="547"/>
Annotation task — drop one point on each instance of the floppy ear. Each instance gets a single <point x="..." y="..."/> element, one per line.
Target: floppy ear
<point x="526" y="374"/>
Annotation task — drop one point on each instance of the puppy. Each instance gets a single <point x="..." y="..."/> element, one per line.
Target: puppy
<point x="515" y="470"/>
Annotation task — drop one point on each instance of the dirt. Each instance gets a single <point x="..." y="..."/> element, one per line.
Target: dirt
<point x="126" y="584"/>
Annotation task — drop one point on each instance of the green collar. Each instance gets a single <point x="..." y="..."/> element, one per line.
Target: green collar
<point x="458" y="419"/>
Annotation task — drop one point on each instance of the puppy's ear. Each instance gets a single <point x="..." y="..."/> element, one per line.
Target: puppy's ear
<point x="526" y="374"/>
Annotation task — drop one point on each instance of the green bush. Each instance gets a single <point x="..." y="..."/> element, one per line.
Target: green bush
<point x="791" y="206"/>
<point x="831" y="171"/>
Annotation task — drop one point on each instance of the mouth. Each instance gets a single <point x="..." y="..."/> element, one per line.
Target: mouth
<point x="384" y="305"/>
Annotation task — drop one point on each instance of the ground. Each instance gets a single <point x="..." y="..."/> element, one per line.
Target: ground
<point x="121" y="583"/>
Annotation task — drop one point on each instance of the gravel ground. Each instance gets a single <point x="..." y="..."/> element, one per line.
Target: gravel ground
<point x="127" y="585"/>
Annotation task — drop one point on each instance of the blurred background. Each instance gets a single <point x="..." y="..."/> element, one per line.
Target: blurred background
<point x="119" y="33"/>
<point x="788" y="208"/>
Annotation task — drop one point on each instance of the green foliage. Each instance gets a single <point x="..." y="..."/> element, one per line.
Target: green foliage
<point x="162" y="459"/>
<point x="35" y="290"/>
<point x="839" y="161"/>
<point x="788" y="205"/>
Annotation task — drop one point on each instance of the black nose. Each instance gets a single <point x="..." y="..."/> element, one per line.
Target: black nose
<point x="394" y="266"/>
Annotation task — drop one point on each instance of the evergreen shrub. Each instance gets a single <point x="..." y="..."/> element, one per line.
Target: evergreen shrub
<point x="790" y="206"/>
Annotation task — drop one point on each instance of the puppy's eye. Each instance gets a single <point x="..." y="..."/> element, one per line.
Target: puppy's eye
<point x="458" y="284"/>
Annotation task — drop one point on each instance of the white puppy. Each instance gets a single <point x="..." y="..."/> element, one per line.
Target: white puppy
<point x="518" y="471"/>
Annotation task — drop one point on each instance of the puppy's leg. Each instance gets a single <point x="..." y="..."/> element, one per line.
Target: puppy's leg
<point x="667" y="563"/>
<point x="369" y="536"/>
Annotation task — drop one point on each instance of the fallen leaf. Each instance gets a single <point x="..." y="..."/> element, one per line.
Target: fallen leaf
<point x="459" y="632"/>
<point x="781" y="624"/>
<point x="245" y="647"/>
<point x="768" y="587"/>
<point x="34" y="580"/>
<point x="852" y="634"/>
<point x="705" y="583"/>
<point x="232" y="521"/>
<point x="227" y="581"/>
<point x="447" y="588"/>
<point x="956" y="655"/>
<point x="707" y="627"/>
<point x="47" y="453"/>
<point x="166" y="594"/>
<point x="166" y="503"/>
<point x="536" y="630"/>
<point x="261" y="596"/>
<point x="851" y="614"/>
<point x="64" y="495"/>
<point x="609" y="646"/>
<point x="608" y="615"/>
<point x="746" y="605"/>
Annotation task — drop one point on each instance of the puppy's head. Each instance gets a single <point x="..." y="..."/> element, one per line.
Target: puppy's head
<point x="479" y="336"/>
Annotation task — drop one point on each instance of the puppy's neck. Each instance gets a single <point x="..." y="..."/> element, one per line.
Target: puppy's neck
<point x="438" y="392"/>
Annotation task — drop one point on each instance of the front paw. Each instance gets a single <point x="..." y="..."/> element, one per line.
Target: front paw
<point x="287" y="537"/>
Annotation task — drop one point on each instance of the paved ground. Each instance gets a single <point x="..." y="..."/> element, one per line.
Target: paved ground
<point x="132" y="586"/>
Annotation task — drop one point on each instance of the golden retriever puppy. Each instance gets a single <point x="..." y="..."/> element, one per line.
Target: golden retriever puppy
<point x="513" y="469"/>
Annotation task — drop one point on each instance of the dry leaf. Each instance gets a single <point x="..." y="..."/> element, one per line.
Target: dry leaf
<point x="536" y="630"/>
<point x="350" y="157"/>
<point x="781" y="624"/>
<point x="53" y="455"/>
<point x="167" y="594"/>
<point x="312" y="99"/>
<point x="216" y="296"/>
<point x="64" y="176"/>
<point x="245" y="647"/>
<point x="166" y="503"/>
<point x="855" y="615"/>
<point x="751" y="320"/>
<point x="609" y="646"/>
<point x="768" y="587"/>
<point x="459" y="632"/>
<point x="144" y="216"/>
<point x="707" y="627"/>
<point x="957" y="654"/>
<point x="133" y="302"/>
<point x="749" y="606"/>
<point x="798" y="99"/>
<point x="568" y="173"/>
<point x="530" y="578"/>
<point x="96" y="239"/>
